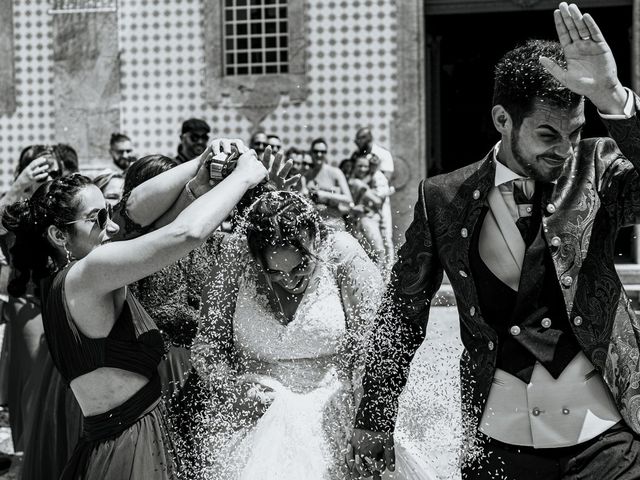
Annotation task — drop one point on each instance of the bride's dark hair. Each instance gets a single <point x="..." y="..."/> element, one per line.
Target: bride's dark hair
<point x="53" y="203"/>
<point x="282" y="219"/>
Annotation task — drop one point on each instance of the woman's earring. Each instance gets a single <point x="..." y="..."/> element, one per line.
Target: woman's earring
<point x="69" y="257"/>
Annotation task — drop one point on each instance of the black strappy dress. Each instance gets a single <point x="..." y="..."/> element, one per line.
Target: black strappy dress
<point x="131" y="441"/>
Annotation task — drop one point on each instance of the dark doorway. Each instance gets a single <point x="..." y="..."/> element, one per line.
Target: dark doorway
<point x="461" y="51"/>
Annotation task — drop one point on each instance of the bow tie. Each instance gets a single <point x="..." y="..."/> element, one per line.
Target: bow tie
<point x="523" y="190"/>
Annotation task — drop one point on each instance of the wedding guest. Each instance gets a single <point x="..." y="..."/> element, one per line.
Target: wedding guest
<point x="369" y="189"/>
<point x="121" y="150"/>
<point x="110" y="184"/>
<point x="194" y="137"/>
<point x="327" y="186"/>
<point x="259" y="142"/>
<point x="275" y="143"/>
<point x="101" y="340"/>
<point x="68" y="156"/>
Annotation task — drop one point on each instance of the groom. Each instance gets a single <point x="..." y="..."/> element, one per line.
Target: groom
<point x="550" y="373"/>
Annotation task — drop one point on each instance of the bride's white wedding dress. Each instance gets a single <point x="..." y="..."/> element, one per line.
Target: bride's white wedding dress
<point x="303" y="434"/>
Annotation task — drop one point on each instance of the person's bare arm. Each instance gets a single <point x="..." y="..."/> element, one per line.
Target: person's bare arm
<point x="116" y="264"/>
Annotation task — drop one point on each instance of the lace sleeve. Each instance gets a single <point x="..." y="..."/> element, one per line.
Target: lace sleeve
<point x="213" y="354"/>
<point x="361" y="288"/>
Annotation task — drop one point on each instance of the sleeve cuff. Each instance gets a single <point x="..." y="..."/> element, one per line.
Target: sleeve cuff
<point x="629" y="109"/>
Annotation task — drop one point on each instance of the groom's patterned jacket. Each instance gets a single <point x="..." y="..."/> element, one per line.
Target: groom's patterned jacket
<point x="597" y="194"/>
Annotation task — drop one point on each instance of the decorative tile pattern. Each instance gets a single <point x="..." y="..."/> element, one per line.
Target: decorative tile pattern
<point x="351" y="67"/>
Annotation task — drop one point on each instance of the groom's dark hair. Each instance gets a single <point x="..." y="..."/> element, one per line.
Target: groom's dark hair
<point x="520" y="79"/>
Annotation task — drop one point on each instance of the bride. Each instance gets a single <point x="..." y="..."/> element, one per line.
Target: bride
<point x="283" y="327"/>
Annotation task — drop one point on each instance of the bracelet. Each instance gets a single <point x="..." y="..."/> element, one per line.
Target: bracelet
<point x="192" y="196"/>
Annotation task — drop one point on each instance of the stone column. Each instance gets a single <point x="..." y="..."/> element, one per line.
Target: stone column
<point x="7" y="77"/>
<point x="408" y="133"/>
<point x="86" y="78"/>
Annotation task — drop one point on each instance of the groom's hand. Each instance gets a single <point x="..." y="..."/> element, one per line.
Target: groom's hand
<point x="591" y="69"/>
<point x="370" y="453"/>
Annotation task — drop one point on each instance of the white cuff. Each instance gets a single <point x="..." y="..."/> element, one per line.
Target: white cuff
<point x="629" y="109"/>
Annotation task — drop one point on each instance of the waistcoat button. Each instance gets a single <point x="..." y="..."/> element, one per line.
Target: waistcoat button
<point x="566" y="411"/>
<point x="551" y="208"/>
<point x="464" y="233"/>
<point x="476" y="194"/>
<point x="515" y="330"/>
<point x="536" y="411"/>
<point x="463" y="274"/>
<point x="567" y="281"/>
<point x="556" y="242"/>
<point x="472" y="311"/>
<point x="577" y="321"/>
<point x="546" y="322"/>
<point x="491" y="345"/>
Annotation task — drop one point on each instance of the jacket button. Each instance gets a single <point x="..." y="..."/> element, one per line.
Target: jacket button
<point x="536" y="411"/>
<point x="551" y="208"/>
<point x="476" y="194"/>
<point x="566" y="411"/>
<point x="463" y="274"/>
<point x="556" y="242"/>
<point x="546" y="322"/>
<point x="464" y="233"/>
<point x="577" y="321"/>
<point x="529" y="209"/>
<point x="567" y="281"/>
<point x="472" y="311"/>
<point x="491" y="345"/>
<point x="515" y="330"/>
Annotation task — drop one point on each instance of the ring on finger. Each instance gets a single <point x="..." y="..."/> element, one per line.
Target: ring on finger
<point x="588" y="37"/>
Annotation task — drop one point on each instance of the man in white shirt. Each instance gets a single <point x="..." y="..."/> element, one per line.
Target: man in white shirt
<point x="364" y="141"/>
<point x="549" y="375"/>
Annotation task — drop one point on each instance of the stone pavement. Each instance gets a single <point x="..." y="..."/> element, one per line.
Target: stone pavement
<point x="429" y="407"/>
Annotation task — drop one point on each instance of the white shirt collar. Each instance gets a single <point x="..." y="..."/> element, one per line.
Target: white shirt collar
<point x="503" y="173"/>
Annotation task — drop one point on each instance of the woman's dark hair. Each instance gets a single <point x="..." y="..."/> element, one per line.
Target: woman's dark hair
<point x="68" y="156"/>
<point x="53" y="203"/>
<point x="102" y="180"/>
<point x="145" y="168"/>
<point x="280" y="219"/>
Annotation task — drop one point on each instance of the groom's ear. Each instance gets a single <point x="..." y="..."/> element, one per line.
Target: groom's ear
<point x="501" y="120"/>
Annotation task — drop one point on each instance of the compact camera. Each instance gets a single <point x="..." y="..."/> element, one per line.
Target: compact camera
<point x="223" y="164"/>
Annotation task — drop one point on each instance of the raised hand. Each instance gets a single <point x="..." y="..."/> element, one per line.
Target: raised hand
<point x="591" y="69"/>
<point x="370" y="453"/>
<point x="279" y="171"/>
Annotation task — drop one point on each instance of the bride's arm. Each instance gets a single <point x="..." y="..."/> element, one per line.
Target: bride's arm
<point x="361" y="287"/>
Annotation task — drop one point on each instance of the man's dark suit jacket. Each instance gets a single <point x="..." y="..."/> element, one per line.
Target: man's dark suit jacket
<point x="597" y="194"/>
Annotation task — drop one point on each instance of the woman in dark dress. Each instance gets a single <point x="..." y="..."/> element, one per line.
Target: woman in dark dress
<point x="101" y="340"/>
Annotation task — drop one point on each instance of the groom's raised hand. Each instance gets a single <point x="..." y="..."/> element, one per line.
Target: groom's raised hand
<point x="369" y="453"/>
<point x="591" y="69"/>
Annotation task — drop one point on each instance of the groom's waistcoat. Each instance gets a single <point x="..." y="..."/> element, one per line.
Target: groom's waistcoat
<point x="532" y="323"/>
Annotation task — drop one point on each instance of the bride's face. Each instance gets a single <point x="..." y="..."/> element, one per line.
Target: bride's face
<point x="289" y="267"/>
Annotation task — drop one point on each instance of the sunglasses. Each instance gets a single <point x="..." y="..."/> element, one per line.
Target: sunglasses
<point x="319" y="151"/>
<point x="101" y="217"/>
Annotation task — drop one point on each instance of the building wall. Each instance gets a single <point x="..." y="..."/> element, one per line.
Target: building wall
<point x="351" y="64"/>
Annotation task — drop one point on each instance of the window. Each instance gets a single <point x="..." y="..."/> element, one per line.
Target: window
<point x="255" y="52"/>
<point x="256" y="37"/>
